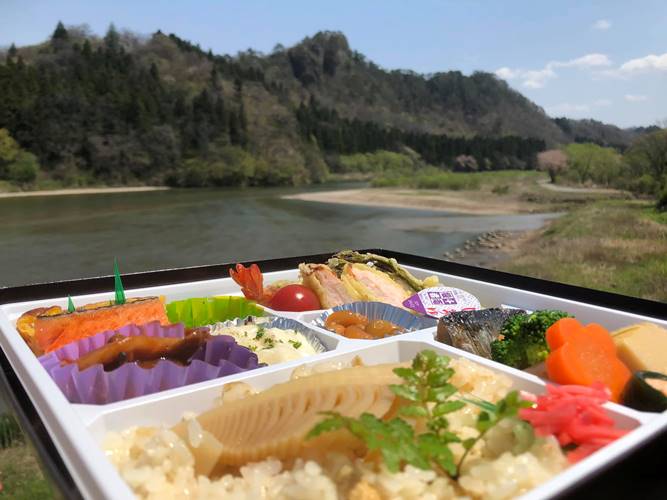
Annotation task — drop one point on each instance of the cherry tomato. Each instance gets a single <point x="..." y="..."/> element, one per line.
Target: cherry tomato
<point x="294" y="298"/>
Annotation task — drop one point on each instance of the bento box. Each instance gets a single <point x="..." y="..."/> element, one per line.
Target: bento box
<point x="71" y="436"/>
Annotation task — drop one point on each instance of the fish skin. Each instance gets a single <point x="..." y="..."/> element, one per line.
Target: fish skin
<point x="473" y="331"/>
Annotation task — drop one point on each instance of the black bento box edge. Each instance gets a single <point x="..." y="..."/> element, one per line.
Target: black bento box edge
<point x="33" y="427"/>
<point x="616" y="480"/>
<point x="100" y="284"/>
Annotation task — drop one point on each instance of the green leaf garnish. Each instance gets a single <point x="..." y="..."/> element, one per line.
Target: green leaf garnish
<point x="427" y="397"/>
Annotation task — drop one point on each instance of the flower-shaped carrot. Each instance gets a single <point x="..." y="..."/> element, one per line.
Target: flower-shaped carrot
<point x="583" y="355"/>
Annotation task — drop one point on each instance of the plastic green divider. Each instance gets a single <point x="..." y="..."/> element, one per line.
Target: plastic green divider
<point x="202" y="311"/>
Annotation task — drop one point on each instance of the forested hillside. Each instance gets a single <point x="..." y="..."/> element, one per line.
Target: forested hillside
<point x="122" y="109"/>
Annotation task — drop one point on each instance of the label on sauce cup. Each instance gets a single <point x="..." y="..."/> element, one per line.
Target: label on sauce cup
<point x="441" y="301"/>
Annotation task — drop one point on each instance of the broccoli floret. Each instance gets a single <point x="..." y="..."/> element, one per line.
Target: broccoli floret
<point x="522" y="342"/>
<point x="512" y="325"/>
<point x="505" y="352"/>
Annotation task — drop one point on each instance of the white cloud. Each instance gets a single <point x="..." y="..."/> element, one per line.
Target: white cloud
<point x="644" y="64"/>
<point x="635" y="98"/>
<point x="602" y="24"/>
<point x="641" y="65"/>
<point x="506" y="73"/>
<point x="602" y="103"/>
<point x="537" y="78"/>
<point x="587" y="61"/>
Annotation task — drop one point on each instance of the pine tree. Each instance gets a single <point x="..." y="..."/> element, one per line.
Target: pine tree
<point x="234" y="129"/>
<point x="87" y="50"/>
<point x="11" y="54"/>
<point x="243" y="126"/>
<point x="214" y="79"/>
<point x="60" y="33"/>
<point x="112" y="38"/>
<point x="155" y="75"/>
<point x="220" y="114"/>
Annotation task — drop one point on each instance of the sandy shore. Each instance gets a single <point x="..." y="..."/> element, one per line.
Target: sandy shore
<point x="450" y="201"/>
<point x="66" y="192"/>
<point x="490" y="249"/>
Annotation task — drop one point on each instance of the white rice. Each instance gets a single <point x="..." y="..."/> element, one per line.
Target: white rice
<point x="157" y="464"/>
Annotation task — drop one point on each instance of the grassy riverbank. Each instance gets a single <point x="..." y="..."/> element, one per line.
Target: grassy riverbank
<point x="479" y="193"/>
<point x="74" y="191"/>
<point x="605" y="240"/>
<point x="21" y="476"/>
<point x="618" y="246"/>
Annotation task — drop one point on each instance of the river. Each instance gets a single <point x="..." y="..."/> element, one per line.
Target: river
<point x="63" y="237"/>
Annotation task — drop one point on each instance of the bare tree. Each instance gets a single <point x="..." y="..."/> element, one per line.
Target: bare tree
<point x="553" y="161"/>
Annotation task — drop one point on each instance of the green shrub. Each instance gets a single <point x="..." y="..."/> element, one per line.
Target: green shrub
<point x="195" y="174"/>
<point x="447" y="180"/>
<point x="24" y="169"/>
<point x="391" y="181"/>
<point x="661" y="204"/>
<point x="378" y="162"/>
<point x="644" y="184"/>
<point x="10" y="432"/>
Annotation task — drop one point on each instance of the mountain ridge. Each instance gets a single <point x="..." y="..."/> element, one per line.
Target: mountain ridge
<point x="122" y="108"/>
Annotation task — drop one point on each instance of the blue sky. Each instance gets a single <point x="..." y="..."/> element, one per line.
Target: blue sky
<point x="601" y="59"/>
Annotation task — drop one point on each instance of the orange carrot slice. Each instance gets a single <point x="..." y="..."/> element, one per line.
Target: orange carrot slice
<point x="602" y="338"/>
<point x="583" y="356"/>
<point x="557" y="333"/>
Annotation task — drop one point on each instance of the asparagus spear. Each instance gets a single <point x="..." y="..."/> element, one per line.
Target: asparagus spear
<point x="384" y="264"/>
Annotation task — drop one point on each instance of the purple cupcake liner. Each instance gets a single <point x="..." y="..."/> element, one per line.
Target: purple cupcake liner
<point x="74" y="350"/>
<point x="218" y="357"/>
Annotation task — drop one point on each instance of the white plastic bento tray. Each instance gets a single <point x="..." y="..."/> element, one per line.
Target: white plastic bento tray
<point x="78" y="430"/>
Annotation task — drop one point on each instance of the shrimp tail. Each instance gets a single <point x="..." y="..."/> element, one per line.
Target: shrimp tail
<point x="251" y="281"/>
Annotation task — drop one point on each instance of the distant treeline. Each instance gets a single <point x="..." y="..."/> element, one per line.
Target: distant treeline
<point x="101" y="112"/>
<point x="343" y="136"/>
<point x="79" y="110"/>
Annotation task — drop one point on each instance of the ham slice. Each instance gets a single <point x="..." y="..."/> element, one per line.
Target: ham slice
<point x="373" y="285"/>
<point x="327" y="286"/>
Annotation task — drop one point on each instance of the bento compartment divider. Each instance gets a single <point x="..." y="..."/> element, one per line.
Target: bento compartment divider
<point x="493" y="295"/>
<point x="426" y="334"/>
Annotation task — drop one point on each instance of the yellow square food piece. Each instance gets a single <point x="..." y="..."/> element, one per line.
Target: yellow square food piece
<point x="642" y="347"/>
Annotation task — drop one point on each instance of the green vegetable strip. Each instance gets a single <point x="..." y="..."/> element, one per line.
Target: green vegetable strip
<point x="385" y="264"/>
<point x="200" y="314"/>
<point x="118" y="284"/>
<point x="70" y="305"/>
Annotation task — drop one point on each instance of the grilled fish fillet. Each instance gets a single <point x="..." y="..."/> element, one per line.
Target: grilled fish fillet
<point x="473" y="331"/>
<point x="327" y="286"/>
